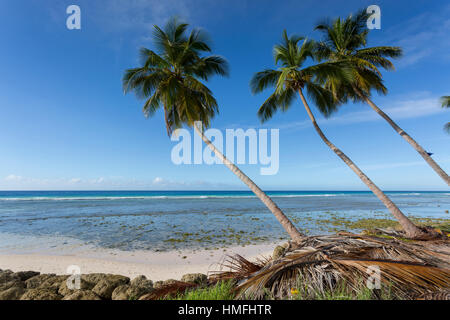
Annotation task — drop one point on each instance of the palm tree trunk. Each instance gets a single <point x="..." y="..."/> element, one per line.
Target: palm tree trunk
<point x="412" y="231"/>
<point x="281" y="217"/>
<point x="410" y="140"/>
<point x="166" y="120"/>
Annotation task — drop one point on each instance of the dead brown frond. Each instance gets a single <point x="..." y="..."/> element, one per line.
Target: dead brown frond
<point x="321" y="263"/>
<point x="438" y="295"/>
<point x="236" y="267"/>
<point x="407" y="278"/>
<point x="169" y="290"/>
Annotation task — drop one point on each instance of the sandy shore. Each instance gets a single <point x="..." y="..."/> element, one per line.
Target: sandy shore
<point x="154" y="265"/>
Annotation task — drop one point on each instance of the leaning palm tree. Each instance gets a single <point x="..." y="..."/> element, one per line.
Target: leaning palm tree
<point x="171" y="78"/>
<point x="294" y="78"/>
<point x="345" y="40"/>
<point x="445" y="100"/>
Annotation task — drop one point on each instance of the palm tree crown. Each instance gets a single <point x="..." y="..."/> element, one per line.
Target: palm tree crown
<point x="171" y="76"/>
<point x="292" y="76"/>
<point x="346" y="40"/>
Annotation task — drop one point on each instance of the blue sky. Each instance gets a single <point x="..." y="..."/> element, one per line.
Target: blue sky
<point x="66" y="124"/>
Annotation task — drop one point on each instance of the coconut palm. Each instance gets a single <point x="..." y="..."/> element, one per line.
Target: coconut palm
<point x="446" y="104"/>
<point x="171" y="79"/>
<point x="293" y="78"/>
<point x="345" y="40"/>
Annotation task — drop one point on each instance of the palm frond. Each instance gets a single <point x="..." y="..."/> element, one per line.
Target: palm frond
<point x="445" y="100"/>
<point x="322" y="262"/>
<point x="149" y="58"/>
<point x="264" y="79"/>
<point x="323" y="98"/>
<point x="209" y="66"/>
<point x="268" y="108"/>
<point x="237" y="267"/>
<point x="170" y="290"/>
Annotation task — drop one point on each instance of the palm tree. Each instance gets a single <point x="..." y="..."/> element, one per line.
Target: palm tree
<point x="345" y="40"/>
<point x="445" y="100"/>
<point x="171" y="78"/>
<point x="292" y="78"/>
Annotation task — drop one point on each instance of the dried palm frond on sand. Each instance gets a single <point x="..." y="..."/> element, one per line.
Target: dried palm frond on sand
<point x="321" y="264"/>
<point x="171" y="289"/>
<point x="411" y="269"/>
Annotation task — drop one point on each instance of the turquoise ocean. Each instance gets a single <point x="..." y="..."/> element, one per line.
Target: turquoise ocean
<point x="165" y="220"/>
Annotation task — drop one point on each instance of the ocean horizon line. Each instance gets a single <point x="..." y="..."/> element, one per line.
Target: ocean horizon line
<point x="99" y="195"/>
<point x="214" y="190"/>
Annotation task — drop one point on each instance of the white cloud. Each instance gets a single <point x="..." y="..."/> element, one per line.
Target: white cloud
<point x="14" y="178"/>
<point x="158" y="180"/>
<point x="98" y="181"/>
<point x="138" y="14"/>
<point x="392" y="165"/>
<point x="424" y="36"/>
<point x="379" y="166"/>
<point x="15" y="182"/>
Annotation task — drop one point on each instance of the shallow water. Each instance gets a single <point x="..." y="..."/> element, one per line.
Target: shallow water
<point x="162" y="220"/>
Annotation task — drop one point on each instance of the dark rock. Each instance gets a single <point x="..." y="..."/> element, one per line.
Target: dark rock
<point x="40" y="294"/>
<point x="53" y="284"/>
<point x="25" y="275"/>
<point x="10" y="284"/>
<point x="278" y="252"/>
<point x="82" y="295"/>
<point x="142" y="281"/>
<point x="94" y="277"/>
<point x="121" y="292"/>
<point x="7" y="276"/>
<point x="160" y="284"/>
<point x="13" y="293"/>
<point x="105" y="287"/>
<point x="130" y="292"/>
<point x="134" y="292"/>
<point x="36" y="281"/>
<point x="84" y="285"/>
<point x="198" y="278"/>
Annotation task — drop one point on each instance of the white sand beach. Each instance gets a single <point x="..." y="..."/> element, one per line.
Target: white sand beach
<point x="154" y="265"/>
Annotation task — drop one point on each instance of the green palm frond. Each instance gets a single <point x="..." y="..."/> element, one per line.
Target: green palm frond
<point x="445" y="100"/>
<point x="152" y="105"/>
<point x="149" y="59"/>
<point x="209" y="66"/>
<point x="447" y="127"/>
<point x="264" y="79"/>
<point x="268" y="108"/>
<point x="324" y="99"/>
